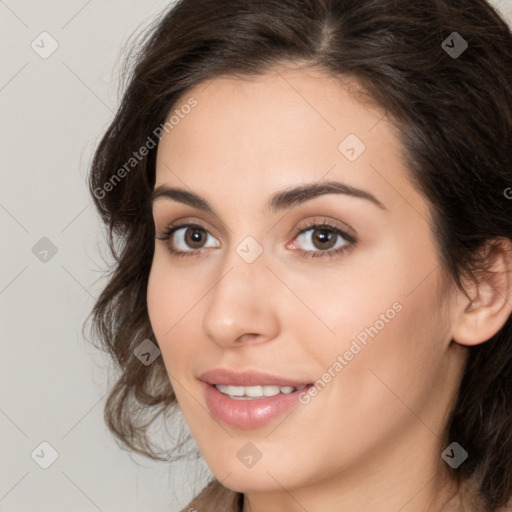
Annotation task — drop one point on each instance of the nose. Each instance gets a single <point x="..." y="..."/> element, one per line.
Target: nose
<point x="242" y="307"/>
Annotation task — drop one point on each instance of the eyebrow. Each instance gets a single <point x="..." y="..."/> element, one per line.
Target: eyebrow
<point x="279" y="201"/>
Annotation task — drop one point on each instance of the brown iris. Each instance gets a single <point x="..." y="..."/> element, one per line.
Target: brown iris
<point x="195" y="237"/>
<point x="323" y="236"/>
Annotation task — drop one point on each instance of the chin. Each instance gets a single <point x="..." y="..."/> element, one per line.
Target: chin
<point x="264" y="476"/>
<point x="250" y="482"/>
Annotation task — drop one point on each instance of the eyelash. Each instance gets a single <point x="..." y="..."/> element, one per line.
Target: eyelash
<point x="351" y="241"/>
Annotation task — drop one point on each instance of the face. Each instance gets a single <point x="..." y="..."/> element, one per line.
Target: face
<point x="329" y="298"/>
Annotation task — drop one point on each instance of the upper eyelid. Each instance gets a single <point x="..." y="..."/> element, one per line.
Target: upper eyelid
<point x="222" y="228"/>
<point x="186" y="222"/>
<point x="192" y="219"/>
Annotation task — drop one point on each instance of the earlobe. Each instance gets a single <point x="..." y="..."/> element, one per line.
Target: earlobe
<point x="479" y="319"/>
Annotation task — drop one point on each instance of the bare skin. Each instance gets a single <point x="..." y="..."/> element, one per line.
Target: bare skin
<point x="371" y="439"/>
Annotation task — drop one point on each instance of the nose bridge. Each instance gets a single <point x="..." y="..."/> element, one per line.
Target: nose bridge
<point x="240" y="301"/>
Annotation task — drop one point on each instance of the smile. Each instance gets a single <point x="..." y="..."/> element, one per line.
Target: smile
<point x="255" y="392"/>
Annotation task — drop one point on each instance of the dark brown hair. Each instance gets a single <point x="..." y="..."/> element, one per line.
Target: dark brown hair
<point x="454" y="117"/>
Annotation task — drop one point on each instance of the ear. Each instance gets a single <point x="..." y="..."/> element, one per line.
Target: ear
<point x="478" y="320"/>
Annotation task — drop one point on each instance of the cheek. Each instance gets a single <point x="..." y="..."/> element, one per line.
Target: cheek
<point x="169" y="305"/>
<point x="398" y="361"/>
<point x="176" y="310"/>
<point x="390" y="329"/>
<point x="372" y="394"/>
<point x="171" y="294"/>
<point x="160" y="301"/>
<point x="363" y="309"/>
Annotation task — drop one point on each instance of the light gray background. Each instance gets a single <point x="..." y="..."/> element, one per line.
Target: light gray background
<point x="53" y="112"/>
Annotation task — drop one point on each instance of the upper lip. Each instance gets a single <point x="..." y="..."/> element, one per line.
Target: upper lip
<point x="247" y="378"/>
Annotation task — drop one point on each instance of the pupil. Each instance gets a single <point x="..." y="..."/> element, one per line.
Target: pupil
<point x="324" y="236"/>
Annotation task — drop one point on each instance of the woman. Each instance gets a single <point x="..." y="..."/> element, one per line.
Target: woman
<point x="309" y="203"/>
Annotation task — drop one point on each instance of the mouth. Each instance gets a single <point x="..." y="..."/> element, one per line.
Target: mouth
<point x="249" y="399"/>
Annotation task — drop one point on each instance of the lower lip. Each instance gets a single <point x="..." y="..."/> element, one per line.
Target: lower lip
<point x="249" y="413"/>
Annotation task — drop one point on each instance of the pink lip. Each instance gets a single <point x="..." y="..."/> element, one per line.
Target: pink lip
<point x="248" y="378"/>
<point x="248" y="414"/>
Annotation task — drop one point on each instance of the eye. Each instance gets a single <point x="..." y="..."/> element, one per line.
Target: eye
<point x="324" y="239"/>
<point x="187" y="239"/>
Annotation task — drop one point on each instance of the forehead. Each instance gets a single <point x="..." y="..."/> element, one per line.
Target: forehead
<point x="288" y="126"/>
<point x="275" y="112"/>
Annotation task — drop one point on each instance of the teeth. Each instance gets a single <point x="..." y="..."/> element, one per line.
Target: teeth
<point x="248" y="392"/>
